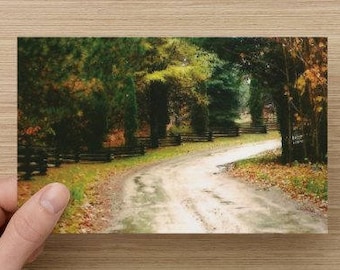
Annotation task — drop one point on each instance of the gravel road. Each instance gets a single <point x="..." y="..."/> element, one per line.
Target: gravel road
<point x="192" y="194"/>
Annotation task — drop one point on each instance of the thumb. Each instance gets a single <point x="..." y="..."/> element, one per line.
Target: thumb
<point x="31" y="225"/>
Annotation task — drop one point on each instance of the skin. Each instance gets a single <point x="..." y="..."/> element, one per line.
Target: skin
<point x="25" y="230"/>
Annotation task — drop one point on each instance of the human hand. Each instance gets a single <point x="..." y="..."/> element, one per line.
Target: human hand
<point x="28" y="228"/>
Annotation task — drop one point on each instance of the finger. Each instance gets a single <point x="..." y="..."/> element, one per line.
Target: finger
<point x="3" y="217"/>
<point x="8" y="199"/>
<point x="35" y="254"/>
<point x="32" y="223"/>
<point x="8" y="193"/>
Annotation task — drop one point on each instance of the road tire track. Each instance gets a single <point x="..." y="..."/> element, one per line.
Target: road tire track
<point x="190" y="195"/>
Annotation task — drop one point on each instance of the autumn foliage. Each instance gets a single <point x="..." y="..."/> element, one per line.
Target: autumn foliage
<point x="304" y="182"/>
<point x="306" y="92"/>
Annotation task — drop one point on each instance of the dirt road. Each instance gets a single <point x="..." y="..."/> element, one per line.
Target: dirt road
<point x="191" y="195"/>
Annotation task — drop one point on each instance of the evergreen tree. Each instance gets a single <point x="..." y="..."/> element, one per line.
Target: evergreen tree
<point x="130" y="114"/>
<point x="256" y="103"/>
<point x="223" y="91"/>
<point x="200" y="113"/>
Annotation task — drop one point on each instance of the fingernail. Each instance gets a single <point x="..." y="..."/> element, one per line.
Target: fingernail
<point x="53" y="198"/>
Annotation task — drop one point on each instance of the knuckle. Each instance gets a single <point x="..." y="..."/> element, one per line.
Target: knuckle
<point x="25" y="228"/>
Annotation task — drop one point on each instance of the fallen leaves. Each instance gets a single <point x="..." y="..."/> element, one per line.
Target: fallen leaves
<point x="92" y="190"/>
<point x="302" y="181"/>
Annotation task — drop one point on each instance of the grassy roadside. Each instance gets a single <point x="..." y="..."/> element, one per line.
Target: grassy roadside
<point x="92" y="187"/>
<point x="304" y="182"/>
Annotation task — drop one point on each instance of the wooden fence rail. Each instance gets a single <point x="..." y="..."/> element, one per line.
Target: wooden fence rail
<point x="31" y="161"/>
<point x="126" y="151"/>
<point x="36" y="160"/>
<point x="172" y="140"/>
<point x="194" y="137"/>
<point x="253" y="129"/>
<point x="226" y="132"/>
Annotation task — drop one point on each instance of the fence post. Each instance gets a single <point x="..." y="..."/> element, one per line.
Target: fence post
<point x="27" y="163"/>
<point x="154" y="142"/>
<point x="179" y="139"/>
<point x="265" y="128"/>
<point x="77" y="157"/>
<point x="108" y="156"/>
<point x="142" y="148"/>
<point x="42" y="162"/>
<point x="58" y="159"/>
<point x="210" y="136"/>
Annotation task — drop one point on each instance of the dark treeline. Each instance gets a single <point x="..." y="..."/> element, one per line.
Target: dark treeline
<point x="74" y="92"/>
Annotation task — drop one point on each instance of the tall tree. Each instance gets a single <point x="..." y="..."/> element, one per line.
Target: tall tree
<point x="130" y="114"/>
<point x="309" y="98"/>
<point x="72" y="91"/>
<point x="44" y="66"/>
<point x="200" y="113"/>
<point x="256" y="103"/>
<point x="174" y="73"/>
<point x="294" y="72"/>
<point x="223" y="90"/>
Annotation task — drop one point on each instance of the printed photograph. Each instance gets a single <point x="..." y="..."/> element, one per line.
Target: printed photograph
<point x="177" y="135"/>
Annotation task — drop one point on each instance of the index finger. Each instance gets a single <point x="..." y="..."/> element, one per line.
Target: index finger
<point x="8" y="197"/>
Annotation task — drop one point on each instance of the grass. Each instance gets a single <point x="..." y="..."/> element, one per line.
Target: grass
<point x="303" y="181"/>
<point x="83" y="179"/>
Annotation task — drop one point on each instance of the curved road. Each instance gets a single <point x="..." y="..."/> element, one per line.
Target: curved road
<point x="191" y="195"/>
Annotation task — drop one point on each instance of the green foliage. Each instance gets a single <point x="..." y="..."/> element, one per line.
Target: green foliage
<point x="293" y="73"/>
<point x="178" y="61"/>
<point x="223" y="90"/>
<point x="159" y="118"/>
<point x="199" y="118"/>
<point x="42" y="99"/>
<point x="256" y="103"/>
<point x="130" y="114"/>
<point x="176" y="68"/>
<point x="72" y="91"/>
<point x="77" y="193"/>
<point x="317" y="187"/>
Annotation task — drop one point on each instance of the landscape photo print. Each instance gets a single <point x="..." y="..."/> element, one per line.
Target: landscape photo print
<point x="177" y="135"/>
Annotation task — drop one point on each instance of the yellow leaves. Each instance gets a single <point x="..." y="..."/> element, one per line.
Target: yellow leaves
<point x="80" y="113"/>
<point x="312" y="52"/>
<point x="301" y="84"/>
<point x="319" y="99"/>
<point x="181" y="63"/>
<point x="322" y="44"/>
<point x="319" y="109"/>
<point x="315" y="78"/>
<point x="186" y="76"/>
<point x="155" y="76"/>
<point x="317" y="84"/>
<point x="146" y="45"/>
<point x="298" y="118"/>
<point x="293" y="53"/>
<point x="318" y="103"/>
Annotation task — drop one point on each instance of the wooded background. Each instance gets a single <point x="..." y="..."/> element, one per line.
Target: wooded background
<point x="145" y="18"/>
